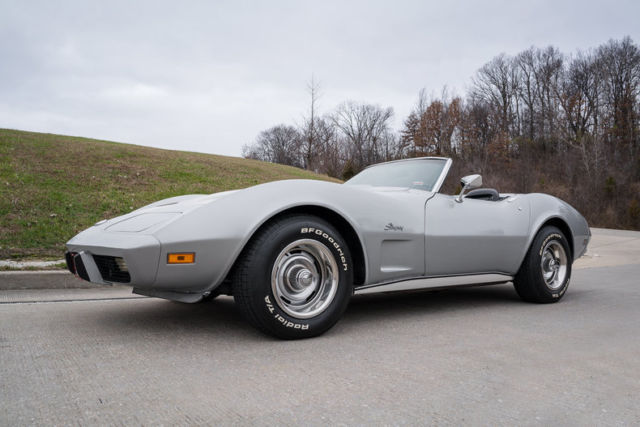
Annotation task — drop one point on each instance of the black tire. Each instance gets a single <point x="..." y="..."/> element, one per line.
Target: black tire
<point x="541" y="277"/>
<point x="276" y="302"/>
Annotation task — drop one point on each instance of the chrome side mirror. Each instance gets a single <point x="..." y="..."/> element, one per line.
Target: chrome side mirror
<point x="469" y="182"/>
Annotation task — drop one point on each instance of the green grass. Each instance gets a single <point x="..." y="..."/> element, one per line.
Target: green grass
<point x="53" y="186"/>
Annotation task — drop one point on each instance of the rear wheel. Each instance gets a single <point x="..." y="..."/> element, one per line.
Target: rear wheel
<point x="294" y="279"/>
<point x="546" y="270"/>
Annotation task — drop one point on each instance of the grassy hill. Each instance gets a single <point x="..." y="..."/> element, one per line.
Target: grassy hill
<point x="53" y="186"/>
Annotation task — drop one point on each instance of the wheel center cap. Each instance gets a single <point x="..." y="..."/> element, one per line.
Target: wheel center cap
<point x="304" y="277"/>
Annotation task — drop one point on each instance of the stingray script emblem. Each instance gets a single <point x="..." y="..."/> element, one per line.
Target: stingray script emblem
<point x="391" y="227"/>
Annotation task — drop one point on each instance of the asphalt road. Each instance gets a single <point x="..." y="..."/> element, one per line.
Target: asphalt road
<point x="472" y="356"/>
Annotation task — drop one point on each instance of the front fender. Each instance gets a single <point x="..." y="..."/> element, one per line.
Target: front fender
<point x="546" y="208"/>
<point x="219" y="231"/>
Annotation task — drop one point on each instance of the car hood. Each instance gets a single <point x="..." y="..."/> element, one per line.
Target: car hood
<point x="189" y="202"/>
<point x="148" y="217"/>
<point x="151" y="217"/>
<point x="183" y="203"/>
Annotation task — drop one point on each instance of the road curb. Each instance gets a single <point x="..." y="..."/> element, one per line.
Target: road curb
<point x="47" y="279"/>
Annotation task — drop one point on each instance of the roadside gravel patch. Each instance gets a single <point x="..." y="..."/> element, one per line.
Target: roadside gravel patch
<point x="29" y="264"/>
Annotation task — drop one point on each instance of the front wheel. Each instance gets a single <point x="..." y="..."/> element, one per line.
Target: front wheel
<point x="294" y="279"/>
<point x="546" y="270"/>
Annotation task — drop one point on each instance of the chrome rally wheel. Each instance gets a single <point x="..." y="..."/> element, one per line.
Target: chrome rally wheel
<point x="305" y="278"/>
<point x="553" y="264"/>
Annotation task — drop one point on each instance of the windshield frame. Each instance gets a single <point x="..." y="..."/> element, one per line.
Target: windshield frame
<point x="436" y="186"/>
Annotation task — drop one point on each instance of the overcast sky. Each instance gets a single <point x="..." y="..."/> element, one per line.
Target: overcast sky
<point x="209" y="76"/>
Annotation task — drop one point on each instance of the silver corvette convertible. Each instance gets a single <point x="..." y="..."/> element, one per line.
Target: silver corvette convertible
<point x="293" y="252"/>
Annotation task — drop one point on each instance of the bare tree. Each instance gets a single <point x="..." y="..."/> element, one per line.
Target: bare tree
<point x="497" y="83"/>
<point x="548" y="71"/>
<point x="330" y="153"/>
<point x="620" y="61"/>
<point x="279" y="144"/>
<point x="578" y="95"/>
<point x="310" y="128"/>
<point x="364" y="127"/>
<point x="526" y="61"/>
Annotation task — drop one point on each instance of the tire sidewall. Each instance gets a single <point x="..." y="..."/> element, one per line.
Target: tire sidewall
<point x="546" y="235"/>
<point x="264" y="301"/>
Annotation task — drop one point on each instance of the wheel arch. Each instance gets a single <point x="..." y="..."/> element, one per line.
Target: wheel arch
<point x="555" y="221"/>
<point x="344" y="227"/>
<point x="562" y="225"/>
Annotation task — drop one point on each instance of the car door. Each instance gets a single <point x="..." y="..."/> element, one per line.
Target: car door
<point x="475" y="236"/>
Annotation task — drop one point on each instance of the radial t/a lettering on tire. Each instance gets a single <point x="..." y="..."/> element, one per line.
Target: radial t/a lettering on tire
<point x="294" y="279"/>
<point x="546" y="270"/>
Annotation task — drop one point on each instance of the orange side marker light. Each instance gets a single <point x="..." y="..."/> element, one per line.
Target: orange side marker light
<point x="181" y="258"/>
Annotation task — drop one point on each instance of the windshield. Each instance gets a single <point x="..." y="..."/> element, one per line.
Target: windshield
<point x="421" y="174"/>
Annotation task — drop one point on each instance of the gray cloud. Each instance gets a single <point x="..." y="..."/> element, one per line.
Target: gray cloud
<point x="208" y="76"/>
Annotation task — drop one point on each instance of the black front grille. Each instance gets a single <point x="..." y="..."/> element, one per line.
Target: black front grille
<point x="81" y="271"/>
<point x="112" y="269"/>
<point x="68" y="256"/>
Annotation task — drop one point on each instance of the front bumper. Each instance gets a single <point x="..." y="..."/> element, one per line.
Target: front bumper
<point x="581" y="242"/>
<point x="98" y="255"/>
<point x="106" y="258"/>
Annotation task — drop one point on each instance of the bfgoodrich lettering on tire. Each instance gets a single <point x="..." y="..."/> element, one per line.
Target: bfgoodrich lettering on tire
<point x="546" y="270"/>
<point x="294" y="279"/>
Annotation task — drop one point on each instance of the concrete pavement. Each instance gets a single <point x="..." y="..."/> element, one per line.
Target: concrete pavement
<point x="54" y="279"/>
<point x="611" y="247"/>
<point x="461" y="356"/>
